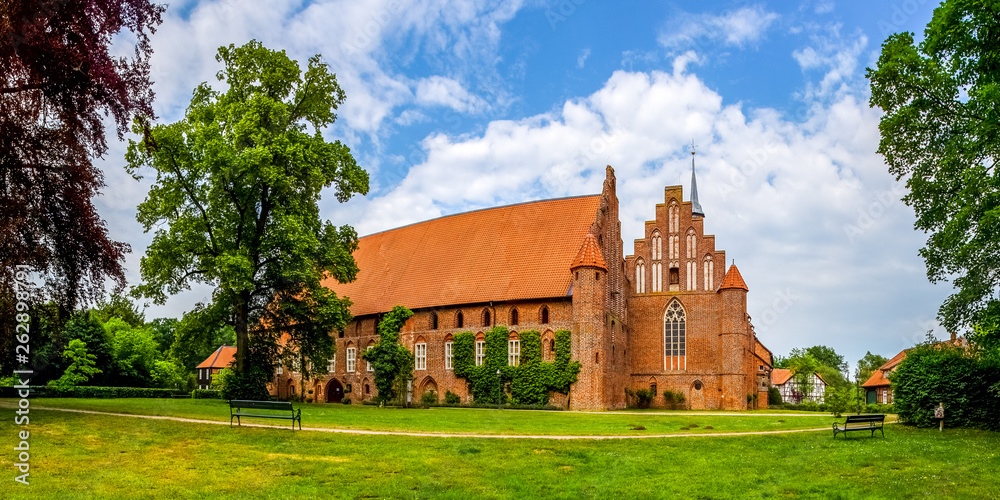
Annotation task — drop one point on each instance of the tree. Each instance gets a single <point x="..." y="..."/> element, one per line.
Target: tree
<point x="391" y="362"/>
<point x="58" y="81"/>
<point x="199" y="333"/>
<point x="135" y="354"/>
<point x="940" y="132"/>
<point x="867" y="365"/>
<point x="118" y="306"/>
<point x="827" y="356"/>
<point x="803" y="367"/>
<point x="81" y="365"/>
<point x="235" y="204"/>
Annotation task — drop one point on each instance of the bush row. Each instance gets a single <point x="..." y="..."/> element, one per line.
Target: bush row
<point x="93" y="392"/>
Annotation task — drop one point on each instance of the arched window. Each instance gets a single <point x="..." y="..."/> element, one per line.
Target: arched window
<point x="544" y="315"/>
<point x="675" y="243"/>
<point x="692" y="244"/>
<point x="655" y="246"/>
<point x="709" y="266"/>
<point x="673" y="215"/>
<point x="675" y="337"/>
<point x="434" y="321"/>
<point x="459" y="320"/>
<point x="513" y="316"/>
<point x="640" y="276"/>
<point x="480" y="349"/>
<point x="486" y="317"/>
<point x="692" y="275"/>
<point x="657" y="277"/>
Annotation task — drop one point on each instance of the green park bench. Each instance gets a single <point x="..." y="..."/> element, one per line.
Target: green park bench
<point x="246" y="408"/>
<point x="860" y="423"/>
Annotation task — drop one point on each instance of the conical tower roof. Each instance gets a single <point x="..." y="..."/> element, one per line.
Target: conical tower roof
<point x="589" y="254"/>
<point x="733" y="279"/>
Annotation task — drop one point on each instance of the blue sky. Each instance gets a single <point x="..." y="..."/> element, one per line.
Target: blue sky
<point x="459" y="105"/>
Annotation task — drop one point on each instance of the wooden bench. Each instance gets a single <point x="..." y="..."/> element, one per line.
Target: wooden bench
<point x="860" y="423"/>
<point x="245" y="408"/>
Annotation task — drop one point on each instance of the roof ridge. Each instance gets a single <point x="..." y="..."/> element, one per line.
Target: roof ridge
<point x="481" y="210"/>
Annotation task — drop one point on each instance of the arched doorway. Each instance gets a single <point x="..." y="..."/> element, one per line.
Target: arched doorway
<point x="334" y="392"/>
<point x="697" y="396"/>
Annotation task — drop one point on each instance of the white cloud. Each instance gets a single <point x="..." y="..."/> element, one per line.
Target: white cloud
<point x="582" y="58"/>
<point x="441" y="91"/>
<point x="837" y="56"/>
<point x="738" y="28"/>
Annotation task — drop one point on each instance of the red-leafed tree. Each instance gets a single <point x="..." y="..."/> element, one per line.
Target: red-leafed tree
<point x="58" y="80"/>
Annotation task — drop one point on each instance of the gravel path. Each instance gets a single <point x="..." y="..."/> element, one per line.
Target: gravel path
<point x="444" y="434"/>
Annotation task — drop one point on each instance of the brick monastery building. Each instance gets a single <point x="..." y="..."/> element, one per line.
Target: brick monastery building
<point x="667" y="317"/>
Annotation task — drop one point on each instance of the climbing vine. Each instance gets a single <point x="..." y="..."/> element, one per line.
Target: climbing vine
<point x="529" y="383"/>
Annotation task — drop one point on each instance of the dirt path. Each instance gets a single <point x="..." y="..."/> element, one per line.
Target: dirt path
<point x="438" y="434"/>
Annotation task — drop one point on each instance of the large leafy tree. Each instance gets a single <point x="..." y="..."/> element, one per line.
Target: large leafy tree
<point x="58" y="81"/>
<point x="867" y="365"/>
<point x="940" y="132"/>
<point x="235" y="204"/>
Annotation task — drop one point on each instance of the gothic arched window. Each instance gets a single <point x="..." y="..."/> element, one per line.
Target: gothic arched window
<point x="640" y="276"/>
<point x="709" y="273"/>
<point x="675" y="337"/>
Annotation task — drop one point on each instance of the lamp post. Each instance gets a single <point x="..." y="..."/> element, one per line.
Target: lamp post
<point x="499" y="391"/>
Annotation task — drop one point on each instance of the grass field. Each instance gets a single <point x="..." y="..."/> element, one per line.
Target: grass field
<point x="77" y="455"/>
<point x="463" y="420"/>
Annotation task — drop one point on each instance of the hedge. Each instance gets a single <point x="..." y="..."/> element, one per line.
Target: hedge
<point x="206" y="394"/>
<point x="92" y="392"/>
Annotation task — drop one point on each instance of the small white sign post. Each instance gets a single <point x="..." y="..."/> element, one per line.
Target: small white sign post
<point x="939" y="414"/>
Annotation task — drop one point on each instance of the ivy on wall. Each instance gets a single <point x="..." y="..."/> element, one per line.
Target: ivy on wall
<point x="529" y="383"/>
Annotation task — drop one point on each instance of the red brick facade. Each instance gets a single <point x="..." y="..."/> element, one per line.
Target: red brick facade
<point x="615" y="306"/>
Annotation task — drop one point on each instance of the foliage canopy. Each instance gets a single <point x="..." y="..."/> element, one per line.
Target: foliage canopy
<point x="940" y="132"/>
<point x="235" y="204"/>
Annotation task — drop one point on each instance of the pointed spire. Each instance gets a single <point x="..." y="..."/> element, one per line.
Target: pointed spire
<point x="695" y="206"/>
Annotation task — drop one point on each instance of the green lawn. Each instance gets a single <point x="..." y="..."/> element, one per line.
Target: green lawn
<point x="77" y="455"/>
<point x="462" y="420"/>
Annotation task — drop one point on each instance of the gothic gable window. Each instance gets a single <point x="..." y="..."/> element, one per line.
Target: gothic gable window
<point x="459" y="320"/>
<point x="709" y="269"/>
<point x="675" y="337"/>
<point x="673" y="215"/>
<point x="513" y="316"/>
<point x="486" y="317"/>
<point x="545" y="315"/>
<point x="640" y="276"/>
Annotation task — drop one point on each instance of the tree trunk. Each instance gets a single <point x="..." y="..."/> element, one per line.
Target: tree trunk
<point x="242" y="336"/>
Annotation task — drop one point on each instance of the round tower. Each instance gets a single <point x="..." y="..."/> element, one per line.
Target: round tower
<point x="589" y="280"/>
<point x="733" y="340"/>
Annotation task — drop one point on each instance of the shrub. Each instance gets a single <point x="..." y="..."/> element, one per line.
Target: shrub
<point x="673" y="400"/>
<point x="429" y="398"/>
<point x="346" y="401"/>
<point x="206" y="394"/>
<point x="639" y="398"/>
<point x="773" y="396"/>
<point x="452" y="398"/>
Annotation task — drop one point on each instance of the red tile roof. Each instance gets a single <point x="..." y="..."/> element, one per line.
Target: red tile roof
<point x="878" y="378"/>
<point x="733" y="279"/>
<point x="505" y="253"/>
<point x="221" y="358"/>
<point x="589" y="254"/>
<point x="780" y="376"/>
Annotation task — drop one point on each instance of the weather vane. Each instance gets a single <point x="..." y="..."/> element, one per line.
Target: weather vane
<point x="692" y="146"/>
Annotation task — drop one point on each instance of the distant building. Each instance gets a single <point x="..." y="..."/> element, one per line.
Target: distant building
<point x="790" y="390"/>
<point x="221" y="358"/>
<point x="669" y="316"/>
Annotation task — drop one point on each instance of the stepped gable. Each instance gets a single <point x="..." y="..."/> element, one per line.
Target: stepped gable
<point x="514" y="252"/>
<point x="733" y="279"/>
<point x="589" y="254"/>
